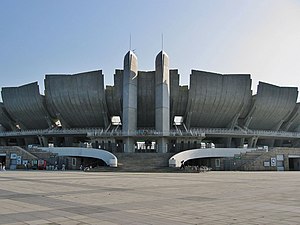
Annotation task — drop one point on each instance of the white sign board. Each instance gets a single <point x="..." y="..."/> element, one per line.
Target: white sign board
<point x="279" y="157"/>
<point x="19" y="160"/>
<point x="273" y="161"/>
<point x="13" y="156"/>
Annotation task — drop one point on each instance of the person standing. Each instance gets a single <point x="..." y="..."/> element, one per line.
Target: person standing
<point x="182" y="166"/>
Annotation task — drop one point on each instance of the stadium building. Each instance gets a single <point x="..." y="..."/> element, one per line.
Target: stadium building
<point x="149" y="112"/>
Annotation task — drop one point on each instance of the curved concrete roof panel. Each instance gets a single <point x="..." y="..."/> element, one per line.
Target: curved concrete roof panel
<point x="77" y="100"/>
<point x="217" y="100"/>
<point x="293" y="122"/>
<point x="114" y="95"/>
<point x="146" y="99"/>
<point x="26" y="106"/>
<point x="5" y="120"/>
<point x="272" y="106"/>
<point x="178" y="96"/>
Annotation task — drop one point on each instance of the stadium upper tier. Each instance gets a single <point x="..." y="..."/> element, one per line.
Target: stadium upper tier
<point x="25" y="106"/>
<point x="210" y="101"/>
<point x="271" y="107"/>
<point x="217" y="100"/>
<point x="77" y="100"/>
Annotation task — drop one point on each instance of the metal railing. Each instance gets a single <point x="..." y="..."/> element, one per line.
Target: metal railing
<point x="197" y="132"/>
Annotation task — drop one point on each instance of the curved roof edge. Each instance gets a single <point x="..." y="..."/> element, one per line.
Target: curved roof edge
<point x="26" y="105"/>
<point x="206" y="153"/>
<point x="109" y="158"/>
<point x="272" y="105"/>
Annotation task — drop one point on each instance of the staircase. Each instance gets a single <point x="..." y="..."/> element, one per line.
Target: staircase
<point x="41" y="154"/>
<point x="244" y="159"/>
<point x="140" y="162"/>
<point x="17" y="150"/>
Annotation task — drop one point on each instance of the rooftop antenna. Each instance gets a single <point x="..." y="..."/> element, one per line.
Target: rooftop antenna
<point x="162" y="42"/>
<point x="130" y="42"/>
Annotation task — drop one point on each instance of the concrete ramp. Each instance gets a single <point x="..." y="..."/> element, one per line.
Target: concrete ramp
<point x="109" y="158"/>
<point x="175" y="160"/>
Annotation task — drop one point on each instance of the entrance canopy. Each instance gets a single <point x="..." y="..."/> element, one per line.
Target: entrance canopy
<point x="205" y="153"/>
<point x="109" y="158"/>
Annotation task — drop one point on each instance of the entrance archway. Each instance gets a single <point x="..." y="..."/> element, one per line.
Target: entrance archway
<point x="294" y="163"/>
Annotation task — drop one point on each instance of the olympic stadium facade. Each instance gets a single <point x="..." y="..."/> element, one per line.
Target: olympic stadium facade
<point x="149" y="111"/>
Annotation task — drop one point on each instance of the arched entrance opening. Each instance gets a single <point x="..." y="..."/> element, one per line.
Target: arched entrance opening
<point x="210" y="162"/>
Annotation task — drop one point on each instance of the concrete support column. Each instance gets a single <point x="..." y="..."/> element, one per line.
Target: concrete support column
<point x="162" y="145"/>
<point x="250" y="142"/>
<point x="30" y="141"/>
<point x="68" y="141"/>
<point x="109" y="144"/>
<point x="113" y="145"/>
<point x="179" y="144"/>
<point x="186" y="144"/>
<point x="255" y="142"/>
<point x="56" y="142"/>
<point x="3" y="142"/>
<point x="129" y="117"/>
<point x="43" y="141"/>
<point x="162" y="94"/>
<point x="129" y="144"/>
<point x="241" y="142"/>
<point x="228" y="142"/>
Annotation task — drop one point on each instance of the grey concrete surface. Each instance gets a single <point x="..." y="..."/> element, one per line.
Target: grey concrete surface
<point x="114" y="95"/>
<point x="26" y="106"/>
<point x="217" y="100"/>
<point x="272" y="106"/>
<point x="178" y="96"/>
<point x="293" y="122"/>
<point x="149" y="100"/>
<point x="146" y="99"/>
<point x="77" y="100"/>
<point x="157" y="198"/>
<point x="162" y="94"/>
<point x="129" y="116"/>
<point x="5" y="120"/>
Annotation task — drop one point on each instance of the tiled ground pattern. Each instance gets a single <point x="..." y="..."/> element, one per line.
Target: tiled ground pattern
<point x="37" y="197"/>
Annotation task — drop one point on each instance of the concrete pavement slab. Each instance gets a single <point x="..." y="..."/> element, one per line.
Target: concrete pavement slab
<point x="42" y="197"/>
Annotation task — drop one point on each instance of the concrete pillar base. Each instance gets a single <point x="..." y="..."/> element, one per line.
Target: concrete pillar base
<point x="241" y="142"/>
<point x="3" y="142"/>
<point x="162" y="145"/>
<point x="228" y="142"/>
<point x="43" y="141"/>
<point x="68" y="141"/>
<point x="129" y="145"/>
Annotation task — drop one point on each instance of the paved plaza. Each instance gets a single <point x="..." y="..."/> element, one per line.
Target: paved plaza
<point x="38" y="197"/>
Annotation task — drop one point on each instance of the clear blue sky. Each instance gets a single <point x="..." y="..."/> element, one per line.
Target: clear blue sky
<point x="257" y="37"/>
